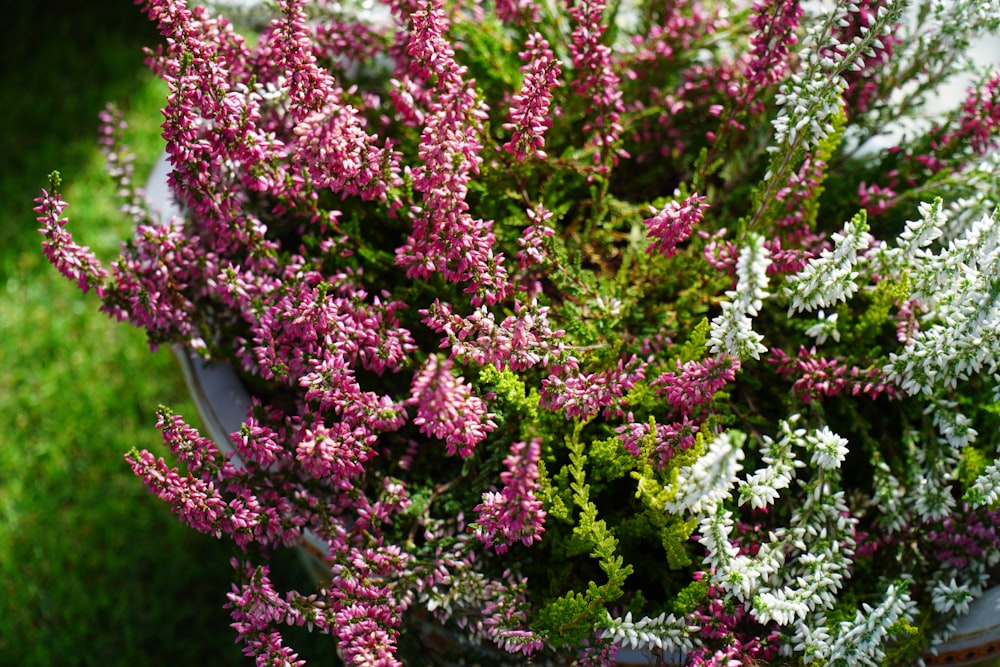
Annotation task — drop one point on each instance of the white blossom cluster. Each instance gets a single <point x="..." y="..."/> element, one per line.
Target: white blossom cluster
<point x="960" y="286"/>
<point x="810" y="100"/>
<point x="986" y="489"/>
<point x="663" y="632"/>
<point x="761" y="488"/>
<point x="707" y="481"/>
<point x="825" y="327"/>
<point x="832" y="276"/>
<point x="732" y="331"/>
<point x="799" y="568"/>
<point x="862" y="642"/>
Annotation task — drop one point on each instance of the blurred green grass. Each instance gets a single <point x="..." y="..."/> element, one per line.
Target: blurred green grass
<point x="93" y="570"/>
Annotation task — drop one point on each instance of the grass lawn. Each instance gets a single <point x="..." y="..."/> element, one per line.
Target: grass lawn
<point x="93" y="570"/>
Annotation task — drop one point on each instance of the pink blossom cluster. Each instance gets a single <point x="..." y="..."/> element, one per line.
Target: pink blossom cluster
<point x="534" y="237"/>
<point x="673" y="224"/>
<point x="668" y="439"/>
<point x="446" y="238"/>
<point x="447" y="409"/>
<point x="595" y="77"/>
<point x="530" y="108"/>
<point x="520" y="341"/>
<point x="819" y="377"/>
<point x="975" y="131"/>
<point x="949" y="544"/>
<point x="75" y="262"/>
<point x="774" y="23"/>
<point x="731" y="633"/>
<point x="695" y="383"/>
<point x="514" y="514"/>
<point x="584" y="394"/>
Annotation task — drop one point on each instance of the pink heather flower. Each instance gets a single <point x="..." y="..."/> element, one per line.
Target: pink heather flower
<point x="786" y="260"/>
<point x="257" y="442"/>
<point x="741" y="637"/>
<point x="336" y="452"/>
<point x="505" y="616"/>
<point x="774" y="23"/>
<point x="720" y="253"/>
<point x="196" y="502"/>
<point x="75" y="262"/>
<point x="670" y="439"/>
<point x="256" y="606"/>
<point x="199" y="454"/>
<point x="212" y="117"/>
<point x="583" y="395"/>
<point x="673" y="224"/>
<point x="446" y="408"/>
<point x="819" y="377"/>
<point x="363" y="613"/>
<point x="529" y="114"/>
<point x="446" y="239"/>
<point x="695" y="383"/>
<point x="333" y="146"/>
<point x="319" y="318"/>
<point x="596" y="79"/>
<point x="876" y="199"/>
<point x="150" y="278"/>
<point x="674" y="438"/>
<point x="514" y="11"/>
<point x="310" y="86"/>
<point x="520" y="341"/>
<point x="907" y="322"/>
<point x="533" y="239"/>
<point x="803" y="186"/>
<point x="514" y="514"/>
<point x="980" y="121"/>
<point x="979" y="124"/>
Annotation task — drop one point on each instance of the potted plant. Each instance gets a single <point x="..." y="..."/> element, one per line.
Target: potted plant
<point x="581" y="328"/>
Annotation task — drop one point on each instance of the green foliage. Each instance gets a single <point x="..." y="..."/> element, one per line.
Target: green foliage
<point x="694" y="348"/>
<point x="973" y="464"/>
<point x="569" y="619"/>
<point x="888" y="293"/>
<point x="690" y="597"/>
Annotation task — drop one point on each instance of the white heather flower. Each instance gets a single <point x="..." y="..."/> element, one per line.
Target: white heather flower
<point x="781" y="606"/>
<point x="705" y="483"/>
<point x="827" y="448"/>
<point x="664" y="633"/>
<point x="831" y="277"/>
<point x="920" y="233"/>
<point x="761" y="488"/>
<point x="954" y="427"/>
<point x="741" y="576"/>
<point x="825" y="327"/>
<point x="811" y="638"/>
<point x="986" y="489"/>
<point x="731" y="332"/>
<point x="862" y="641"/>
<point x="889" y="498"/>
<point x="951" y="596"/>
<point x="961" y="289"/>
<point x="811" y="99"/>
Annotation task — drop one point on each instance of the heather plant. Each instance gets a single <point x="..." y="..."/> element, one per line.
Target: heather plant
<point x="577" y="327"/>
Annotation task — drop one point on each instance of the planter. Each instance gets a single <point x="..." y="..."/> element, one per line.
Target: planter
<point x="977" y="639"/>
